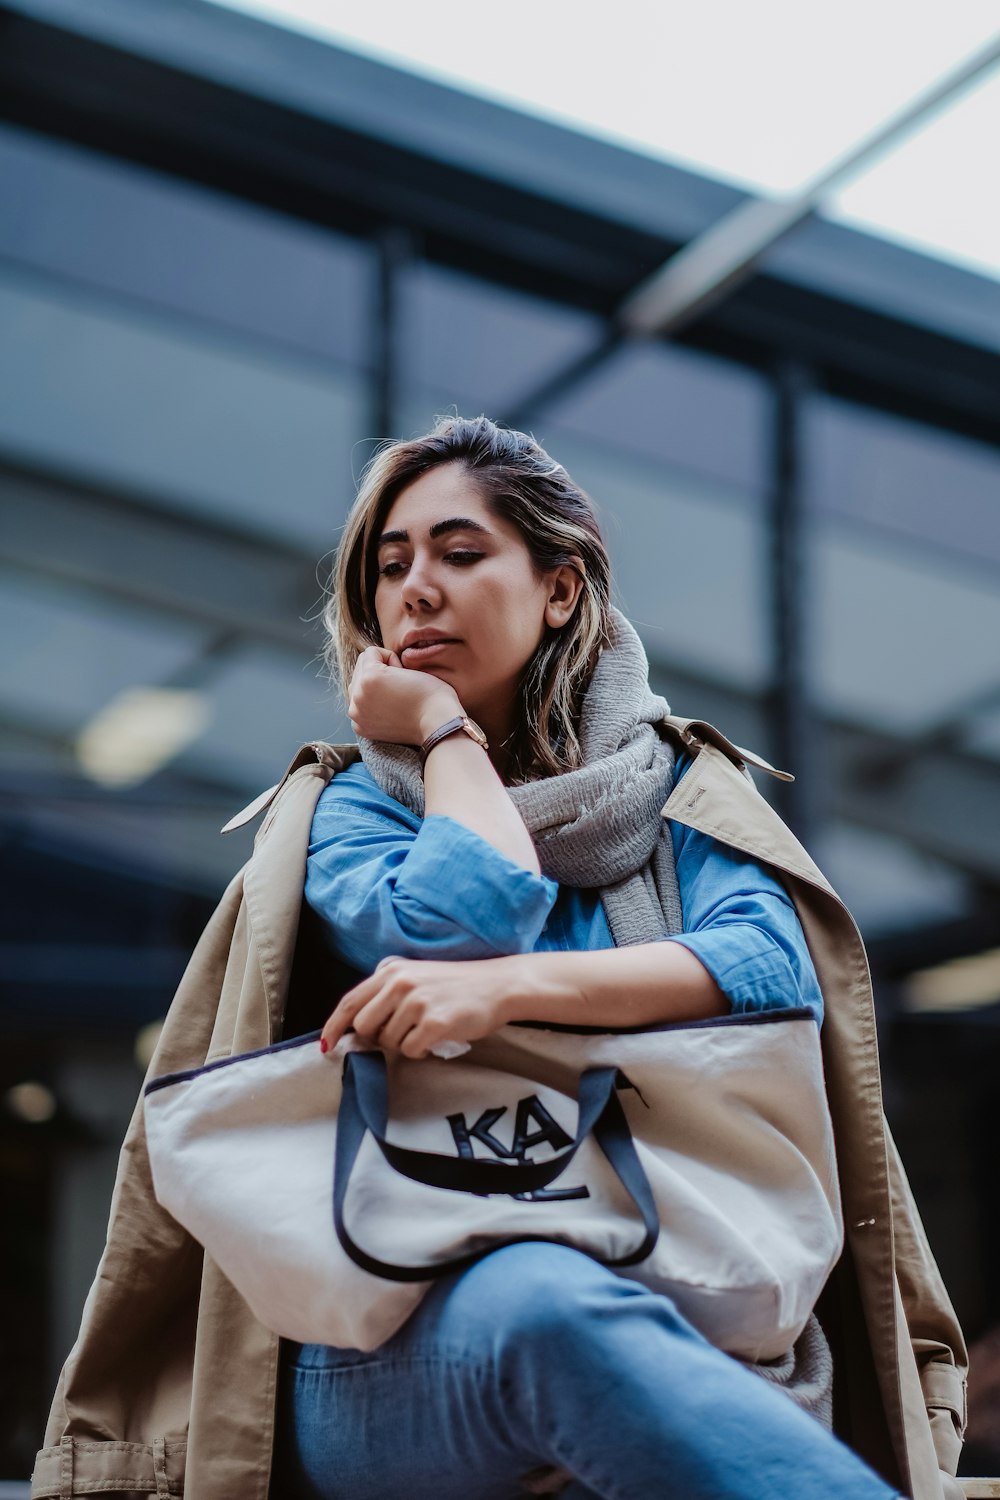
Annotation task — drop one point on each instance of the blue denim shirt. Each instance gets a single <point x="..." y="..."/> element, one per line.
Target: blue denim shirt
<point x="387" y="882"/>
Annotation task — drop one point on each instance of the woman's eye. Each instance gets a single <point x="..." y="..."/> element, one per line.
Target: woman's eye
<point x="462" y="558"/>
<point x="390" y="569"/>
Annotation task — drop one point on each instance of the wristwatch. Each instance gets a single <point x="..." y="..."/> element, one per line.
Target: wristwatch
<point x="462" y="724"/>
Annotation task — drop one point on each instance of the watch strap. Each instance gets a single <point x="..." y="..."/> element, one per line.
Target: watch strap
<point x="461" y="724"/>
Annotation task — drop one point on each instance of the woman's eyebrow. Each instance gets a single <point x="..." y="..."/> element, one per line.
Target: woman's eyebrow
<point x="457" y="523"/>
<point x="392" y="536"/>
<point x="440" y="528"/>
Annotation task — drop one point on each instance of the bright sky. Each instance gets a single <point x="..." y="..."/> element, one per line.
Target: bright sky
<point x="764" y="95"/>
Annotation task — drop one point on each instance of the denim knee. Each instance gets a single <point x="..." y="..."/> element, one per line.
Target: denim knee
<point x="533" y="1296"/>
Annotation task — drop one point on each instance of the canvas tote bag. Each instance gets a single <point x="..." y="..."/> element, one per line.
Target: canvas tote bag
<point x="695" y="1157"/>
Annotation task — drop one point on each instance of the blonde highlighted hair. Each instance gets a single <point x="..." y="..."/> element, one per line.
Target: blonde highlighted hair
<point x="518" y="481"/>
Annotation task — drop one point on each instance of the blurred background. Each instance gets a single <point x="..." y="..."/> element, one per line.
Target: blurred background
<point x="738" y="270"/>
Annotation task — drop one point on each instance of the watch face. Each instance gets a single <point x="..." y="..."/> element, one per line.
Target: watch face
<point x="473" y="730"/>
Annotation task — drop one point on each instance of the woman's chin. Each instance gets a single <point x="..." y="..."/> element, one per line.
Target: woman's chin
<point x="433" y="669"/>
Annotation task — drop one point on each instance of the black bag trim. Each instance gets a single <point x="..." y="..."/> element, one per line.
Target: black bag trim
<point x="739" y="1018"/>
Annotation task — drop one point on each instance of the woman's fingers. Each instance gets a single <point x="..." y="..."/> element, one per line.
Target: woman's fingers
<point x="410" y="1005"/>
<point x="375" y="656"/>
<point x="387" y="701"/>
<point x="343" y="1016"/>
<point x="354" y="1007"/>
<point x="393" y="1031"/>
<point x="371" y="661"/>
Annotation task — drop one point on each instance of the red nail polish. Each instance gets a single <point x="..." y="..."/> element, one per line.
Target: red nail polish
<point x="322" y="1044"/>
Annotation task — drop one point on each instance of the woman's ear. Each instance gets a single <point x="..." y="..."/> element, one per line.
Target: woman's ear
<point x="566" y="582"/>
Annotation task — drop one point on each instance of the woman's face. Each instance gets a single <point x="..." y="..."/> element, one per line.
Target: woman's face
<point x="458" y="595"/>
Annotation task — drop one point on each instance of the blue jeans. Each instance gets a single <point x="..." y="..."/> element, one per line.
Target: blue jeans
<point x="539" y="1356"/>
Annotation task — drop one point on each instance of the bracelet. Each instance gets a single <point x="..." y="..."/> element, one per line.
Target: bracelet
<point x="460" y="725"/>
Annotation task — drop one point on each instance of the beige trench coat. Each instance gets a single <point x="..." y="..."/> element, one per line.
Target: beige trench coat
<point x="170" y="1387"/>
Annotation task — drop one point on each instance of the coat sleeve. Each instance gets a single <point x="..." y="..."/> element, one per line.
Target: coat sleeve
<point x="137" y="1330"/>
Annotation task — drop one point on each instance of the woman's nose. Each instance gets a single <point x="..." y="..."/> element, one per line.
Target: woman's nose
<point x="420" y="587"/>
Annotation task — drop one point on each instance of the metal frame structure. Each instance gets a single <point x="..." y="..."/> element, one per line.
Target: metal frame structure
<point x="273" y="118"/>
<point x="278" y="119"/>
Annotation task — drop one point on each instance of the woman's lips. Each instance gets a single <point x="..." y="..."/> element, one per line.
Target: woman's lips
<point x="422" y="651"/>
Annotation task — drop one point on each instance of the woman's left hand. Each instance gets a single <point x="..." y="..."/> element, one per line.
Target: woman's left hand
<point x="410" y="1005"/>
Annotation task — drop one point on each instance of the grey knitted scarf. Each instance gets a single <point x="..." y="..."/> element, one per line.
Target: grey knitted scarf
<point x="599" y="826"/>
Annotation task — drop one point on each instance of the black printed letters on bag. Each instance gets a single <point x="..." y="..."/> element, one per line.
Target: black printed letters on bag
<point x="528" y="1110"/>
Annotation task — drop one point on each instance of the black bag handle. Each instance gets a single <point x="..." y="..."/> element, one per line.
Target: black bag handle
<point x="364" y="1107"/>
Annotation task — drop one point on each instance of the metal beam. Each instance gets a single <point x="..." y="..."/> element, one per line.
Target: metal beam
<point x="709" y="268"/>
<point x="247" y="108"/>
<point x="554" y="386"/>
<point x="945" y="804"/>
<point x="395" y="252"/>
<point x="954" y="729"/>
<point x="789" y="596"/>
<point x="713" y="265"/>
<point x="718" y="261"/>
<point x="135" y="549"/>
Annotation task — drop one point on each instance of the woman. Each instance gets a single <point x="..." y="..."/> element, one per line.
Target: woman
<point x="471" y="619"/>
<point x="530" y="877"/>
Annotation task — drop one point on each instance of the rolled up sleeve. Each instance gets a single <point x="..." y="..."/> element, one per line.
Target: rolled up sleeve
<point x="433" y="890"/>
<point x="740" y="923"/>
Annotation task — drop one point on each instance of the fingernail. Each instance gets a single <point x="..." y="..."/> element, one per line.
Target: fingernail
<point x="322" y="1044"/>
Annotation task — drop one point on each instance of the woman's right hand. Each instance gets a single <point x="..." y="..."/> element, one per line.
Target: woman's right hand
<point x="403" y="705"/>
<point x="388" y="701"/>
